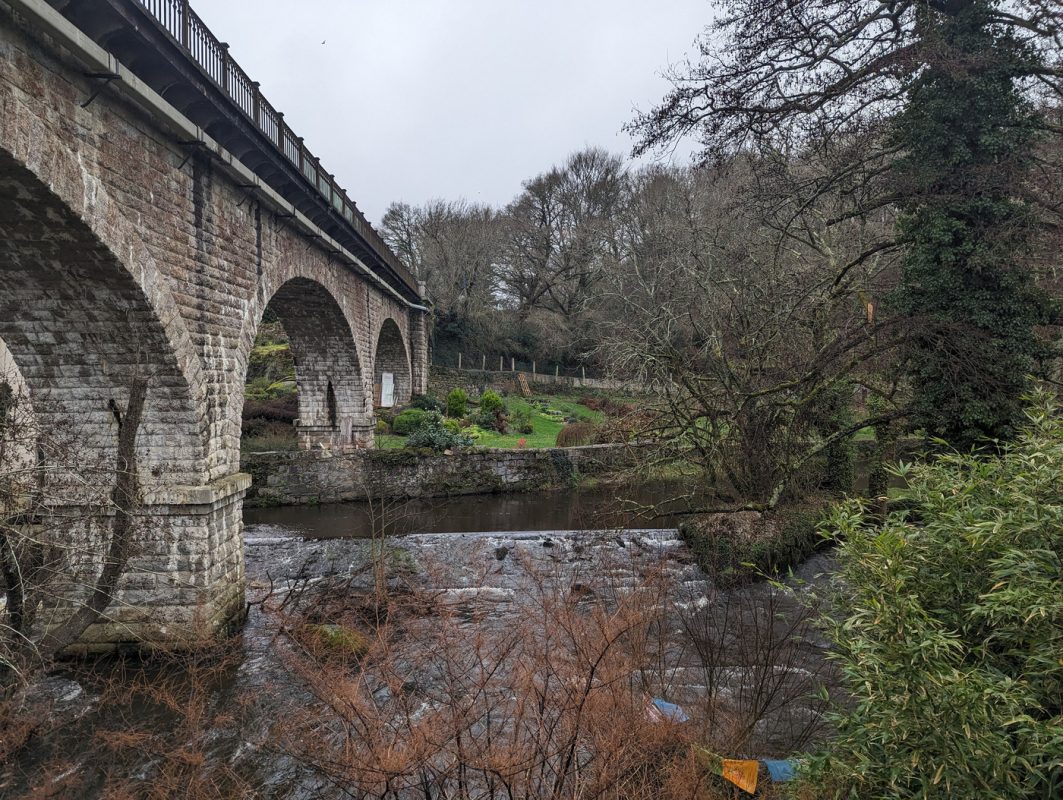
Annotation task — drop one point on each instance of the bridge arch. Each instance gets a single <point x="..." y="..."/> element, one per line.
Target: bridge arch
<point x="333" y="408"/>
<point x="391" y="357"/>
<point x="81" y="322"/>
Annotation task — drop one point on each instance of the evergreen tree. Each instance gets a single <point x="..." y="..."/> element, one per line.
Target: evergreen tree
<point x="968" y="134"/>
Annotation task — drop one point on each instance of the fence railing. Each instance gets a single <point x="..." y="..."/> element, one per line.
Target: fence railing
<point x="481" y="362"/>
<point x="485" y="362"/>
<point x="193" y="37"/>
<point x="503" y="369"/>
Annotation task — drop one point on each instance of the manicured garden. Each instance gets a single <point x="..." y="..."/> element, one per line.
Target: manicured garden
<point x="437" y="423"/>
<point x="496" y="421"/>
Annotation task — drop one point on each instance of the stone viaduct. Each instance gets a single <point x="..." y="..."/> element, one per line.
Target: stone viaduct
<point x="152" y="205"/>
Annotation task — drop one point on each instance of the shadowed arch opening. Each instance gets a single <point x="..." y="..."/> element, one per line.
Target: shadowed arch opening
<point x="80" y="328"/>
<point x="333" y="413"/>
<point x="392" y="384"/>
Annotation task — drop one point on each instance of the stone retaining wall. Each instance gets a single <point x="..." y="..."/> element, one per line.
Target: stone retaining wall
<point x="299" y="477"/>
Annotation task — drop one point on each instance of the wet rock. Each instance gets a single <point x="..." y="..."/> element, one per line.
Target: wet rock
<point x="58" y="699"/>
<point x="501" y="553"/>
<point x="578" y="591"/>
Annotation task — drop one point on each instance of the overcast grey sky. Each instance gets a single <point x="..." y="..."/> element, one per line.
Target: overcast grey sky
<point x="418" y="99"/>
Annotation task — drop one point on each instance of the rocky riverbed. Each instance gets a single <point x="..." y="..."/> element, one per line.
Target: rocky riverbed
<point x="746" y="656"/>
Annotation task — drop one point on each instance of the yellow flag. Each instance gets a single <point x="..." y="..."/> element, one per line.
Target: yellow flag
<point x="742" y="774"/>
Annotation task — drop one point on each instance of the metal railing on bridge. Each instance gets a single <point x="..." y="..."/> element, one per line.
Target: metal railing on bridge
<point x="191" y="34"/>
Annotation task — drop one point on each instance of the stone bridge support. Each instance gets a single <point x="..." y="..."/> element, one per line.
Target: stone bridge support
<point x="134" y="247"/>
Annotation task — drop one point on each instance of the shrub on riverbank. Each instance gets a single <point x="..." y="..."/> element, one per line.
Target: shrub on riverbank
<point x="431" y="436"/>
<point x="427" y="402"/>
<point x="406" y="422"/>
<point x="576" y="434"/>
<point x="737" y="547"/>
<point x="951" y="650"/>
<point x="269" y="423"/>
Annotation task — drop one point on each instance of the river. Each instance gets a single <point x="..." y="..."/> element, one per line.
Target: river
<point x="120" y="722"/>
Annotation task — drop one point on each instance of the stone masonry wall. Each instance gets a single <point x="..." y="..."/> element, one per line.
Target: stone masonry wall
<point x="297" y="478"/>
<point x="131" y="247"/>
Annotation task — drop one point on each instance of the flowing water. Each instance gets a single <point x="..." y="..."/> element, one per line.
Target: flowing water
<point x="483" y="551"/>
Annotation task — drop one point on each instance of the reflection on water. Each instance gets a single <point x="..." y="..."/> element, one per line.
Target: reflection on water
<point x="647" y="505"/>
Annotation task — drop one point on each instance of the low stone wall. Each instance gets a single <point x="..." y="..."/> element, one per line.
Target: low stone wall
<point x="303" y="477"/>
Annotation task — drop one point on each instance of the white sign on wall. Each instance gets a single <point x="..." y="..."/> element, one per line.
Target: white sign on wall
<point x="387" y="390"/>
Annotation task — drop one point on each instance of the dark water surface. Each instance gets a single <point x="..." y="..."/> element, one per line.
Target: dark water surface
<point x="647" y="505"/>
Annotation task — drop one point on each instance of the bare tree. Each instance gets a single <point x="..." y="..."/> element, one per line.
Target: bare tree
<point x="454" y="247"/>
<point x="558" y="244"/>
<point x="59" y="570"/>
<point x="753" y="347"/>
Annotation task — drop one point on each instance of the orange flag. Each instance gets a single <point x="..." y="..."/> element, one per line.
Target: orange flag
<point x="742" y="774"/>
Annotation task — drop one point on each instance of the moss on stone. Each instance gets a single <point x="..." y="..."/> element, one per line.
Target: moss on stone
<point x="331" y="640"/>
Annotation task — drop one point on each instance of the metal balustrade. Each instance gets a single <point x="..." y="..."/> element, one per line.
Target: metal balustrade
<point x="193" y="37"/>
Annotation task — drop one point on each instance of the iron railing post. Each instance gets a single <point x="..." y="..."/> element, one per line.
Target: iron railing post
<point x="255" y="98"/>
<point x="225" y="67"/>
<point x="186" y="25"/>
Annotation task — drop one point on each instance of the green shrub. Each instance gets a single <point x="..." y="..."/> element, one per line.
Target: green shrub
<point x="951" y="647"/>
<point x="457" y="403"/>
<point x="491" y="402"/>
<point x="521" y="420"/>
<point x="382" y="426"/>
<point x="490" y="420"/>
<point x="406" y="422"/>
<point x="452" y="425"/>
<point x="336" y="641"/>
<point x="436" y="437"/>
<point x="427" y="402"/>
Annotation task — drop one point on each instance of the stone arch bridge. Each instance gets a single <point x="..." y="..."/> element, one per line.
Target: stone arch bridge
<point x="152" y="205"/>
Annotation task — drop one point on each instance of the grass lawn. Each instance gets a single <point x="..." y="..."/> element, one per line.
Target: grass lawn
<point x="545" y="427"/>
<point x="389" y="441"/>
<point x="270" y="349"/>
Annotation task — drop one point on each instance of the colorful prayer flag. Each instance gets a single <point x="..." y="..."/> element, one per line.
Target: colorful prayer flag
<point x="780" y="771"/>
<point x="670" y="711"/>
<point x="742" y="774"/>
